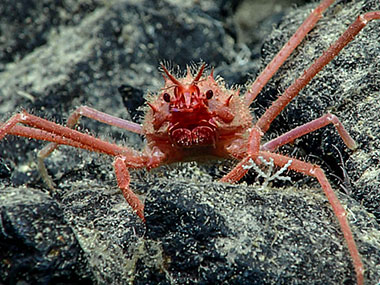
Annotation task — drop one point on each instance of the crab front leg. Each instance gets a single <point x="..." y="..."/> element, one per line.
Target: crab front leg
<point x="121" y="165"/>
<point x="49" y="131"/>
<point x="123" y="180"/>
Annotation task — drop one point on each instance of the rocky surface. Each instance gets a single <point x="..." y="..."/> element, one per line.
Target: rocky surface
<point x="55" y="57"/>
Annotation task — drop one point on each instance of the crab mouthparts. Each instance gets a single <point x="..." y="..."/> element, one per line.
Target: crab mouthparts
<point x="198" y="136"/>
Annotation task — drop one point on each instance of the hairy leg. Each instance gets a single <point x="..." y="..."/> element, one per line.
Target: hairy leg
<point x="98" y="116"/>
<point x="71" y="122"/>
<point x="274" y="110"/>
<point x="285" y="51"/>
<point x="253" y="148"/>
<point x="28" y="132"/>
<point x="308" y="169"/>
<point x="254" y="152"/>
<point x="123" y="179"/>
<point x="308" y="128"/>
<point x="66" y="134"/>
<point x="340" y="213"/>
<point x="42" y="129"/>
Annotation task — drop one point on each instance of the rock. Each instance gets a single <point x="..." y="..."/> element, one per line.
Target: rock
<point x="37" y="244"/>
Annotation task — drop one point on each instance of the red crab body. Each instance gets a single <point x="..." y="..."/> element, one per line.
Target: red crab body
<point x="195" y="117"/>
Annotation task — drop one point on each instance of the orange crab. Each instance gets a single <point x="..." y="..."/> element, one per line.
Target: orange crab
<point x="197" y="115"/>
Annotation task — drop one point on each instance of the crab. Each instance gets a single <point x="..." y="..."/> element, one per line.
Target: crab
<point x="197" y="115"/>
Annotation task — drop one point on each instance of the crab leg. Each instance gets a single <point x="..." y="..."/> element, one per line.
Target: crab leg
<point x="123" y="179"/>
<point x="238" y="172"/>
<point x="125" y="157"/>
<point x="308" y="128"/>
<point x="286" y="50"/>
<point x="253" y="148"/>
<point x="92" y="114"/>
<point x="67" y="133"/>
<point x="71" y="122"/>
<point x="311" y="170"/>
<point x="274" y="110"/>
<point x="315" y="171"/>
<point x="254" y="152"/>
<point x="38" y="134"/>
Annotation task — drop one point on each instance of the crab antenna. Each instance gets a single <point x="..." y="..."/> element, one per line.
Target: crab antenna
<point x="171" y="77"/>
<point x="199" y="73"/>
<point x="188" y="70"/>
<point x="212" y="72"/>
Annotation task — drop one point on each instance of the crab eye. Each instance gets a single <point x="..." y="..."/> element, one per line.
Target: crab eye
<point x="166" y="97"/>
<point x="209" y="94"/>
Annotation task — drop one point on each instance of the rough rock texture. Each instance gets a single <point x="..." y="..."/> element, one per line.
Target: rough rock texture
<point x="57" y="56"/>
<point x="36" y="241"/>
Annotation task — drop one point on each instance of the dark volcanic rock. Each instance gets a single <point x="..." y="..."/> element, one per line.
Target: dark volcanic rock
<point x="37" y="245"/>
